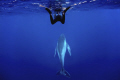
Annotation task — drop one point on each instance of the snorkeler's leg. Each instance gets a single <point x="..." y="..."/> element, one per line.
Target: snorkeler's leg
<point x="63" y="15"/>
<point x="53" y="21"/>
<point x="51" y="18"/>
<point x="63" y="18"/>
<point x="66" y="9"/>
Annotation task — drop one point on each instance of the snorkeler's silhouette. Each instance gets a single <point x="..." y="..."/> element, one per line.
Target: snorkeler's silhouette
<point x="57" y="17"/>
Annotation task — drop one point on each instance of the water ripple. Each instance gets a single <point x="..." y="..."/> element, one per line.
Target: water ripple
<point x="36" y="6"/>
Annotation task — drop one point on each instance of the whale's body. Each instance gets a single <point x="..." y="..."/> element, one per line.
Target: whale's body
<point x="61" y="48"/>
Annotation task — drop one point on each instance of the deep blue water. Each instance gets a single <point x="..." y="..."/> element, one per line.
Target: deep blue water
<point x="28" y="41"/>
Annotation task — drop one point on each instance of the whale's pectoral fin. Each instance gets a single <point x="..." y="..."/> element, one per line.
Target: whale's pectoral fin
<point x="55" y="52"/>
<point x="69" y="50"/>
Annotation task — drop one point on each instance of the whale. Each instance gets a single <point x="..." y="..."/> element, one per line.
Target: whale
<point x="61" y="48"/>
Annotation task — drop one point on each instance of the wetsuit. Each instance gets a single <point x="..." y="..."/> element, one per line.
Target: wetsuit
<point x="58" y="17"/>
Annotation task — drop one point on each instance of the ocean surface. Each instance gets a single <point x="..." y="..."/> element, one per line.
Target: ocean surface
<point x="28" y="40"/>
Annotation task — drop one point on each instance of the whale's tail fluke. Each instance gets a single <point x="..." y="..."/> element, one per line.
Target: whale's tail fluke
<point x="63" y="72"/>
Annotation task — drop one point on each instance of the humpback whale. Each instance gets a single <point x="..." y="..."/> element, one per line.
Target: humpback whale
<point x="61" y="48"/>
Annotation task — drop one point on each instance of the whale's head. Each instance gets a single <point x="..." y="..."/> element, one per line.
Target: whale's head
<point x="61" y="38"/>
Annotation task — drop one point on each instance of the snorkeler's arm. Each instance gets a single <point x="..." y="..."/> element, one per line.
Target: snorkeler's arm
<point x="48" y="9"/>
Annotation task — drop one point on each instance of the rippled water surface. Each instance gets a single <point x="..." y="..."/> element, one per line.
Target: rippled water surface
<point x="25" y="6"/>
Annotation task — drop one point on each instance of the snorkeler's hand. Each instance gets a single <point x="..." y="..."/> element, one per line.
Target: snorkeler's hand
<point x="41" y="5"/>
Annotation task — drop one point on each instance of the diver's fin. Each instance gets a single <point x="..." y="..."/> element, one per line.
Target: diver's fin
<point x="69" y="50"/>
<point x="63" y="72"/>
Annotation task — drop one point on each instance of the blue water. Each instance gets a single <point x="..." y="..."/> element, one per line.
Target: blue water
<point x="28" y="41"/>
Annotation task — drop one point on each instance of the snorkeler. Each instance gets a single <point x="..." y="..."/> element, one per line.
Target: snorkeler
<point x="57" y="16"/>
